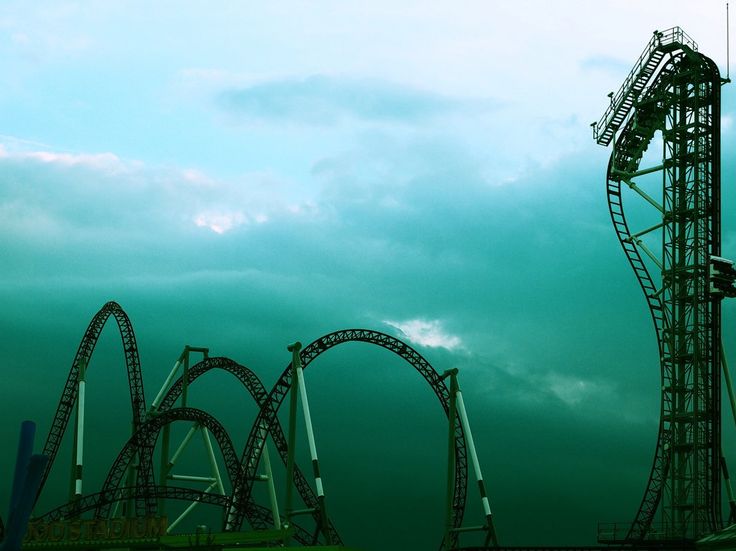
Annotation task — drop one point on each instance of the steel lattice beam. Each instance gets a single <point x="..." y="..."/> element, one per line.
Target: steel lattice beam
<point x="268" y="415"/>
<point x="82" y="358"/>
<point x="682" y="101"/>
<point x="241" y="470"/>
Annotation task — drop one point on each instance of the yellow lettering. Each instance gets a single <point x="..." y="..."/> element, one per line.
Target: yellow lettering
<point x="32" y="532"/>
<point x="57" y="531"/>
<point x="156" y="527"/>
<point x="95" y="529"/>
<point x="138" y="527"/>
<point x="42" y="531"/>
<point x="88" y="529"/>
<point x="117" y="525"/>
<point x="101" y="530"/>
<point x="75" y="530"/>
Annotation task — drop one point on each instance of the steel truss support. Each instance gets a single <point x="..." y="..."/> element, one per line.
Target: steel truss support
<point x="140" y="493"/>
<point x="268" y="416"/>
<point x="299" y="386"/>
<point x="691" y="332"/>
<point x="678" y="95"/>
<point x="166" y="464"/>
<point x="458" y="413"/>
<point x="75" y="384"/>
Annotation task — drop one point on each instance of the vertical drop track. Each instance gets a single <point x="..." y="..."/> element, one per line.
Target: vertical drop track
<point x="675" y="90"/>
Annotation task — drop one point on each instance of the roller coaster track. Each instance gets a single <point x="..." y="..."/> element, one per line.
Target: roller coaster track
<point x="675" y="90"/>
<point x="241" y="470"/>
<point x="147" y="432"/>
<point x="143" y="440"/>
<point x="267" y="417"/>
<point x="256" y="389"/>
<point x="111" y="492"/>
<point x="81" y="360"/>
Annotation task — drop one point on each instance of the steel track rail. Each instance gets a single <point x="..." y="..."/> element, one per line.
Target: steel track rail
<point x="242" y="470"/>
<point x="82" y="358"/>
<point x="256" y="389"/>
<point x="148" y="434"/>
<point x="111" y="492"/>
<point x="627" y="154"/>
<point x="143" y="441"/>
<point x="268" y="415"/>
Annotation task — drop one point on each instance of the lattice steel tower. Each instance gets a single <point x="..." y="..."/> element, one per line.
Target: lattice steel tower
<point x="673" y="95"/>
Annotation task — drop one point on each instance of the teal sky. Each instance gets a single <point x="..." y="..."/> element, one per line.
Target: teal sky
<point x="243" y="175"/>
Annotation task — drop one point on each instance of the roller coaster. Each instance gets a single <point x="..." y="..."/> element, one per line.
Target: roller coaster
<point x="671" y="98"/>
<point x="132" y="490"/>
<point x="671" y="101"/>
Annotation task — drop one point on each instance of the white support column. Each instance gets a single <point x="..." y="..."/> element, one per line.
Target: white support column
<point x="213" y="461"/>
<point x="79" y="451"/>
<point x="165" y="386"/>
<point x="187" y="511"/>
<point x="473" y="454"/>
<point x="323" y="522"/>
<point x="271" y="487"/>
<point x="192" y="478"/>
<point x="183" y="444"/>
<point x="310" y="431"/>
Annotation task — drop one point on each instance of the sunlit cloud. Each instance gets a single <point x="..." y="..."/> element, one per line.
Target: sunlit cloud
<point x="223" y="222"/>
<point x="726" y="123"/>
<point x="427" y="333"/>
<point x="53" y="185"/>
<point x="570" y="389"/>
<point x="97" y="161"/>
<point x="197" y="177"/>
<point x="220" y="222"/>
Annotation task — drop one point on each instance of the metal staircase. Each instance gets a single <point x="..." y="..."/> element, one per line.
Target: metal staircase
<point x="638" y="80"/>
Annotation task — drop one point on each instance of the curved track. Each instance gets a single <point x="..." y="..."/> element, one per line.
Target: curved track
<point x="111" y="492"/>
<point x="148" y="433"/>
<point x="650" y="115"/>
<point x="256" y="389"/>
<point x="241" y="470"/>
<point x="268" y="415"/>
<point x="81" y="359"/>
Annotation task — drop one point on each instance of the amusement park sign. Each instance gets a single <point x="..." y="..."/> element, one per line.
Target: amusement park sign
<point x="97" y="530"/>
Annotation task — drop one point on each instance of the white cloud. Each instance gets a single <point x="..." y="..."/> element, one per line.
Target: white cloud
<point x="726" y="123"/>
<point x="97" y="161"/>
<point x="65" y="181"/>
<point x="571" y="390"/>
<point x="220" y="222"/>
<point x="197" y="177"/>
<point x="426" y="333"/>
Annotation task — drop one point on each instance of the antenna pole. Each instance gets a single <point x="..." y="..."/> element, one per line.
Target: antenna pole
<point x="728" y="48"/>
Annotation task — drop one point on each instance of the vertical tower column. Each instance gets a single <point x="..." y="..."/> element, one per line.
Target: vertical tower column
<point x="691" y="331"/>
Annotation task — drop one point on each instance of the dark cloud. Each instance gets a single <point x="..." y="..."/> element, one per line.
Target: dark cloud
<point x="323" y="100"/>
<point x="558" y="360"/>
